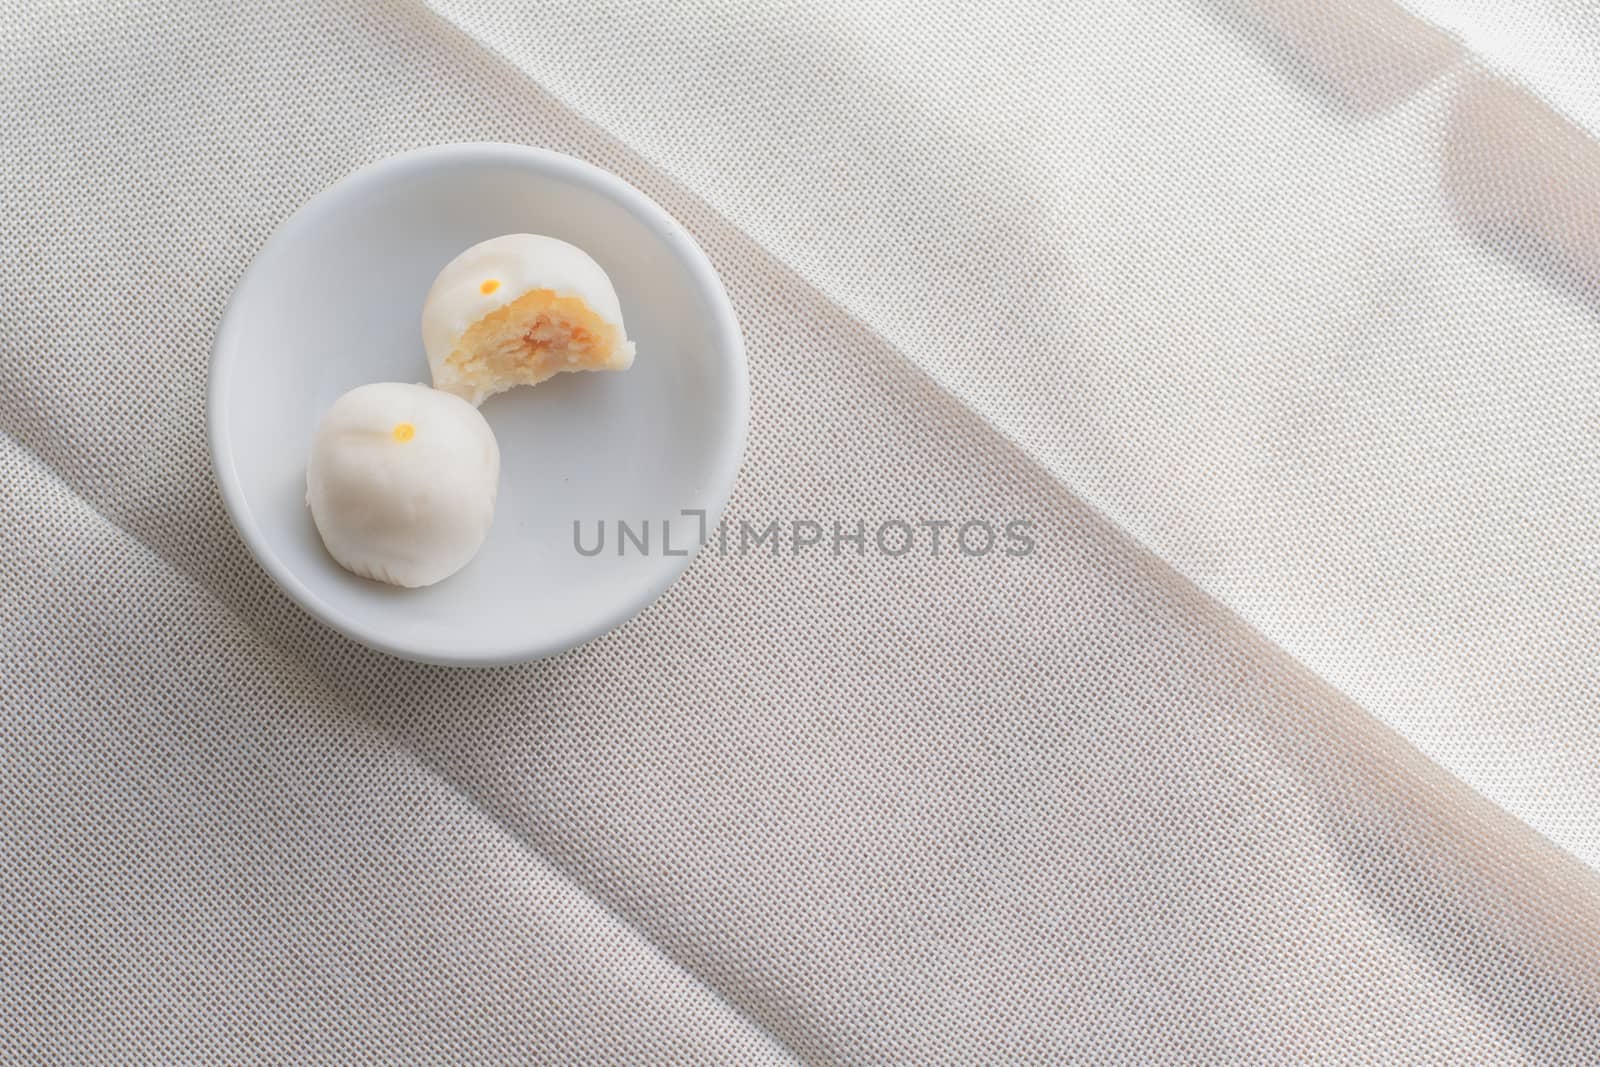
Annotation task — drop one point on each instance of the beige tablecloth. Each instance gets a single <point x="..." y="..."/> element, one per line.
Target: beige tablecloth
<point x="1279" y="318"/>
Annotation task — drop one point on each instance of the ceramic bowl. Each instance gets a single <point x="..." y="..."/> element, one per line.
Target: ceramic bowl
<point x="334" y="300"/>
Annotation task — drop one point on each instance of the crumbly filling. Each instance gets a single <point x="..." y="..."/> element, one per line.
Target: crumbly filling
<point x="528" y="340"/>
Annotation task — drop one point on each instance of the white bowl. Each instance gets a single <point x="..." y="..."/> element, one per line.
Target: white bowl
<point x="334" y="300"/>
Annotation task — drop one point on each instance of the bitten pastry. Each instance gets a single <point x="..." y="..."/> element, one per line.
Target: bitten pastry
<point x="517" y="309"/>
<point x="402" y="481"/>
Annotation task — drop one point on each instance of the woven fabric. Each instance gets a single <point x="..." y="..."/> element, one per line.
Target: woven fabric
<point x="1280" y="319"/>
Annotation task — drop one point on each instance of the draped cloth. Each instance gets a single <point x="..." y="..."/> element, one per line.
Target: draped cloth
<point x="1279" y="320"/>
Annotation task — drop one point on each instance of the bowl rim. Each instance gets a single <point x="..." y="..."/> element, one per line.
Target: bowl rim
<point x="727" y="337"/>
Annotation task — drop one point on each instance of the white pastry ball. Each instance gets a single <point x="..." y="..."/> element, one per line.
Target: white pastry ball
<point x="517" y="310"/>
<point x="401" y="482"/>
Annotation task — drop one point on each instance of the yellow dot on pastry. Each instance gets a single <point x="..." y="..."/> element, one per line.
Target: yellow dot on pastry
<point x="403" y="431"/>
<point x="489" y="286"/>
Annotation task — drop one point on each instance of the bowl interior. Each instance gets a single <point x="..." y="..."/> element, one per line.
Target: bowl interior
<point x="335" y="301"/>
